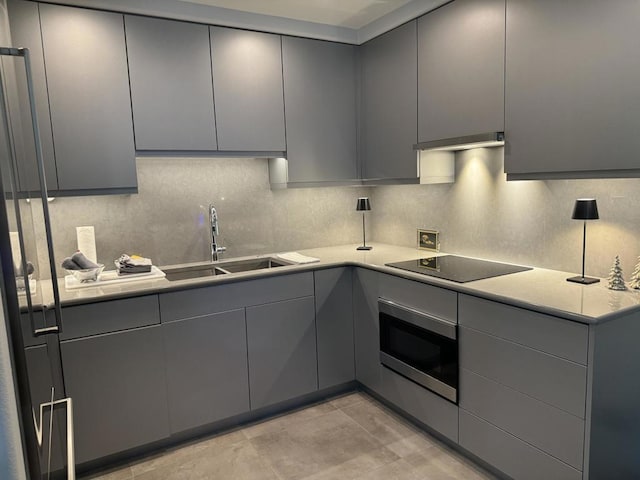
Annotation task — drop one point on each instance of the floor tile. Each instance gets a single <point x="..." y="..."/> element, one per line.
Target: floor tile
<point x="287" y="420"/>
<point x="123" y="473"/>
<point x="307" y="448"/>
<point x="354" y="468"/>
<point x="349" y="399"/>
<point x="385" y="426"/>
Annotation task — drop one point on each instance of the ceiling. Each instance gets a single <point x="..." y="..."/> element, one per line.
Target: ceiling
<point x="353" y="14"/>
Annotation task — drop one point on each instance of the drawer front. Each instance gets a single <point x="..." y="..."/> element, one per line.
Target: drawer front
<point x="436" y="301"/>
<point x="221" y="298"/>
<point x="112" y="316"/>
<point x="509" y="454"/>
<point x="553" y="335"/>
<point x="525" y="417"/>
<point x="542" y="376"/>
<point x="429" y="408"/>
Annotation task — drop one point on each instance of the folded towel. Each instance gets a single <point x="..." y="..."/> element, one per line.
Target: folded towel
<point x="296" y="257"/>
<point x="78" y="261"/>
<point x="133" y="264"/>
<point x="18" y="269"/>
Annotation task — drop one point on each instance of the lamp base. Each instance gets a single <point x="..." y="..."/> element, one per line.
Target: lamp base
<point x="583" y="280"/>
<point x="364" y="247"/>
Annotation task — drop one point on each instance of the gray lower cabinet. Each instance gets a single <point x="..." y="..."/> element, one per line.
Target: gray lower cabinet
<point x="571" y="89"/>
<point x="320" y="110"/>
<point x="89" y="98"/>
<point x="334" y="326"/>
<point x="517" y="400"/>
<point x="425" y="406"/>
<point x="281" y="339"/>
<point x="118" y="386"/>
<point x="247" y="79"/>
<point x="461" y="69"/>
<point x="389" y="99"/>
<point x="171" y="85"/>
<point x="207" y="371"/>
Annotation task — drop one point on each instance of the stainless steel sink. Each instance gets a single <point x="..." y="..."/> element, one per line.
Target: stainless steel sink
<point x="222" y="268"/>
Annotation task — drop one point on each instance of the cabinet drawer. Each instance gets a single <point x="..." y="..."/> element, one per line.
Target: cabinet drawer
<point x="525" y="417"/>
<point x="436" y="301"/>
<point x="429" y="408"/>
<point x="542" y="376"/>
<point x="553" y="335"/>
<point x="508" y="454"/>
<point x="112" y="316"/>
<point x="230" y="296"/>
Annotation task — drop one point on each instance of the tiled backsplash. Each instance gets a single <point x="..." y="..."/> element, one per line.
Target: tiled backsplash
<point x="168" y="219"/>
<point x="527" y="222"/>
<point x="481" y="214"/>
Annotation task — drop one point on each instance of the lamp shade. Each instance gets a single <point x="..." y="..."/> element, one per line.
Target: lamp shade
<point x="363" y="204"/>
<point x="585" y="209"/>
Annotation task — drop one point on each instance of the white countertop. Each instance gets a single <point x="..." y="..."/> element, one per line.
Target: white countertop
<point x="546" y="291"/>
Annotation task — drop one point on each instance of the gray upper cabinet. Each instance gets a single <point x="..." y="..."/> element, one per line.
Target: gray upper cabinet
<point x="88" y="83"/>
<point x="572" y="75"/>
<point x="247" y="79"/>
<point x="461" y="69"/>
<point x="171" y="85"/>
<point x="24" y="19"/>
<point x="320" y="110"/>
<point x="389" y="97"/>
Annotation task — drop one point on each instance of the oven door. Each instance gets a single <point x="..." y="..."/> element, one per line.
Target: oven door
<point x="421" y="347"/>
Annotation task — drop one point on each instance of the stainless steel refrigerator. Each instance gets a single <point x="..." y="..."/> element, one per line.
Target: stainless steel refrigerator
<point x="28" y="282"/>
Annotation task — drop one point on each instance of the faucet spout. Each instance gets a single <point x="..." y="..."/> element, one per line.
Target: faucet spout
<point x="215" y="231"/>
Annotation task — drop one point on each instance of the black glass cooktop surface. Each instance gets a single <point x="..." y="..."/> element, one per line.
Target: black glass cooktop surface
<point x="458" y="269"/>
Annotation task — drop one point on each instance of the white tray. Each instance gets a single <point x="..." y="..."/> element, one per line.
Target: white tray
<point x="111" y="278"/>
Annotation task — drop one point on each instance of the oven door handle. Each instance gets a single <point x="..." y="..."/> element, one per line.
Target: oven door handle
<point x="419" y="319"/>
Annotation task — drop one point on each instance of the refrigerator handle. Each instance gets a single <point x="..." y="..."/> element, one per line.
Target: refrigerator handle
<point x="67" y="402"/>
<point x="24" y="52"/>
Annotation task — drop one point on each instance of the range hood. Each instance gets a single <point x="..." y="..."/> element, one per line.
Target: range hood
<point x="492" y="139"/>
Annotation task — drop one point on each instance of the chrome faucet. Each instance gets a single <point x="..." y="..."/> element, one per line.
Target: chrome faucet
<point x="215" y="231"/>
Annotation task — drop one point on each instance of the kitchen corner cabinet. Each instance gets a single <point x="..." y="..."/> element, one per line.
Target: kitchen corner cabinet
<point x="24" y="22"/>
<point x="207" y="371"/>
<point x="461" y="69"/>
<point x="171" y="85"/>
<point x="572" y="103"/>
<point x="247" y="80"/>
<point x="281" y="339"/>
<point x="334" y="326"/>
<point x="89" y="99"/>
<point x="389" y="97"/>
<point x="320" y="110"/>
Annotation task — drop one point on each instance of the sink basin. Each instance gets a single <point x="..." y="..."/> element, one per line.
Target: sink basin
<point x="222" y="268"/>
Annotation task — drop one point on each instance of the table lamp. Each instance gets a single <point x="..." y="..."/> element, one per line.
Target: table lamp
<point x="584" y="209"/>
<point x="363" y="205"/>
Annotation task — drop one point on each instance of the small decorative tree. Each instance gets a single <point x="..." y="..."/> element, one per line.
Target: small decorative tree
<point x="635" y="277"/>
<point x="616" y="282"/>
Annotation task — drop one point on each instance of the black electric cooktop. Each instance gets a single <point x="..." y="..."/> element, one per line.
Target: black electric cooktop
<point x="458" y="269"/>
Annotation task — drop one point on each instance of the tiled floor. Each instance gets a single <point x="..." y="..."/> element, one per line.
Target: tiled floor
<point x="348" y="438"/>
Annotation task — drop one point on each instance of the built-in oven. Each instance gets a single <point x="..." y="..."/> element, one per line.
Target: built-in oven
<point x="420" y="347"/>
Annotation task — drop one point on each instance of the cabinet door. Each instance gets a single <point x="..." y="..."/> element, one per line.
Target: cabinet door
<point x="461" y="69"/>
<point x="117" y="383"/>
<point x="572" y="75"/>
<point x="247" y="79"/>
<point x="89" y="98"/>
<point x="24" y="21"/>
<point x="207" y="372"/>
<point x="389" y="95"/>
<point x="320" y="109"/>
<point x="366" y="327"/>
<point x="171" y="84"/>
<point x="334" y="325"/>
<point x="281" y="340"/>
